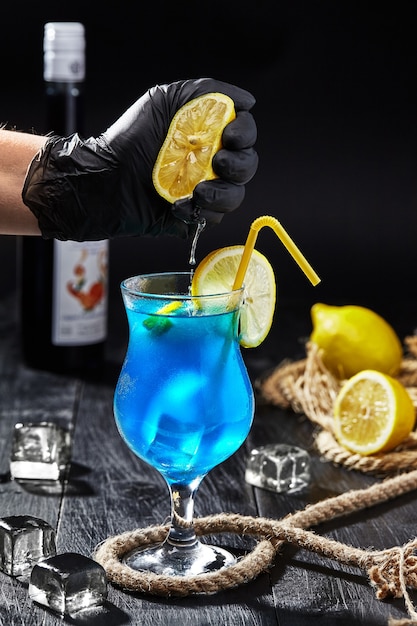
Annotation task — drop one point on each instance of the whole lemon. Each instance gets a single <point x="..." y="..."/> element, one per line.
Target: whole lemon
<point x="354" y="338"/>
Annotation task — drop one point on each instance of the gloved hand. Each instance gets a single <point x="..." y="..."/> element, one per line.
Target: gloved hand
<point x="101" y="188"/>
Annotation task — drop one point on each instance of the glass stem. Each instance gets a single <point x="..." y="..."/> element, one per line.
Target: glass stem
<point x="182" y="532"/>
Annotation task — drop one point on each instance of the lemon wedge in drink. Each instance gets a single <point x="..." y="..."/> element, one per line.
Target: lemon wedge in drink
<point x="354" y="338"/>
<point x="193" y="138"/>
<point x="216" y="274"/>
<point x="373" y="413"/>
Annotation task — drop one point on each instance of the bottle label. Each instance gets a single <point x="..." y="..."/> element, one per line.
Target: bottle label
<point x="79" y="307"/>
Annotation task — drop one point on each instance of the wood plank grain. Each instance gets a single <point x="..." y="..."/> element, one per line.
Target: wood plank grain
<point x="127" y="493"/>
<point x="307" y="587"/>
<point x="110" y="491"/>
<point x="26" y="395"/>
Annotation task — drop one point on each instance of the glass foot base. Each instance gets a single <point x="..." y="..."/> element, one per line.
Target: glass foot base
<point x="171" y="560"/>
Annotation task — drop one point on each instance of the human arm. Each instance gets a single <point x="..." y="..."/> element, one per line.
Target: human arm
<point x="16" y="153"/>
<point x="102" y="187"/>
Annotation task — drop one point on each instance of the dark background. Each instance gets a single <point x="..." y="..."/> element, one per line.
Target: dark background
<point x="337" y="134"/>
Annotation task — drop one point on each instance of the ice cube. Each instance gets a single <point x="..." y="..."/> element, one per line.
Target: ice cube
<point x="68" y="583"/>
<point x="40" y="451"/>
<point x="23" y="541"/>
<point x="279" y="467"/>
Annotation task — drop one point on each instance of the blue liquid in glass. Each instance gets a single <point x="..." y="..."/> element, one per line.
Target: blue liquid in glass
<point x="183" y="402"/>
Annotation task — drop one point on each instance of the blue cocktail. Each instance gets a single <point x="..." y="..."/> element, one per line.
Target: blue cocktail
<point x="183" y="402"/>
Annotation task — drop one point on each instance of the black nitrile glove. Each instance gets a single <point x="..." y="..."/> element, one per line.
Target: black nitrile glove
<point x="101" y="188"/>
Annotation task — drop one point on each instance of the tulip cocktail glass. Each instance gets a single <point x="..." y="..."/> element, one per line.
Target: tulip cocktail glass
<point x="183" y="403"/>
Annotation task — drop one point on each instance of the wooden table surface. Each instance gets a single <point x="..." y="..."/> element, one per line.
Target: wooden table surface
<point x="110" y="491"/>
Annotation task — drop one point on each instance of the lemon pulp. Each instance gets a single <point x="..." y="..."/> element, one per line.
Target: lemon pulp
<point x="373" y="413"/>
<point x="216" y="274"/>
<point x="193" y="138"/>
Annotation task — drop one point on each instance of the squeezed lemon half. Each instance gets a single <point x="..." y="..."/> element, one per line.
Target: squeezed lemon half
<point x="193" y="138"/>
<point x="216" y="274"/>
<point x="373" y="413"/>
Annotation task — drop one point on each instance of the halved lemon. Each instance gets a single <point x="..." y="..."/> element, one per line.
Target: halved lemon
<point x="216" y="274"/>
<point x="373" y="413"/>
<point x="193" y="138"/>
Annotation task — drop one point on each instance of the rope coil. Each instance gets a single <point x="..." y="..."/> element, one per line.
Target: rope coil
<point x="390" y="571"/>
<point x="305" y="387"/>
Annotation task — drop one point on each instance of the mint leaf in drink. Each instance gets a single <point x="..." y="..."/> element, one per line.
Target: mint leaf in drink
<point x="157" y="325"/>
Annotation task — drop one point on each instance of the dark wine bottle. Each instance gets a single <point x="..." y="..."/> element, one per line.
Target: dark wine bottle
<point x="64" y="284"/>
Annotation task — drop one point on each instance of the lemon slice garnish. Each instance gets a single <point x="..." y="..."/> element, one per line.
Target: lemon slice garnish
<point x="216" y="274"/>
<point x="373" y="413"/>
<point x="193" y="138"/>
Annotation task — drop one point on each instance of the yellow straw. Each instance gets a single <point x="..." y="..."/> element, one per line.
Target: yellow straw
<point x="272" y="222"/>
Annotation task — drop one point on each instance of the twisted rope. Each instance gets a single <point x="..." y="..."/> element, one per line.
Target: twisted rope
<point x="390" y="571"/>
<point x="306" y="387"/>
